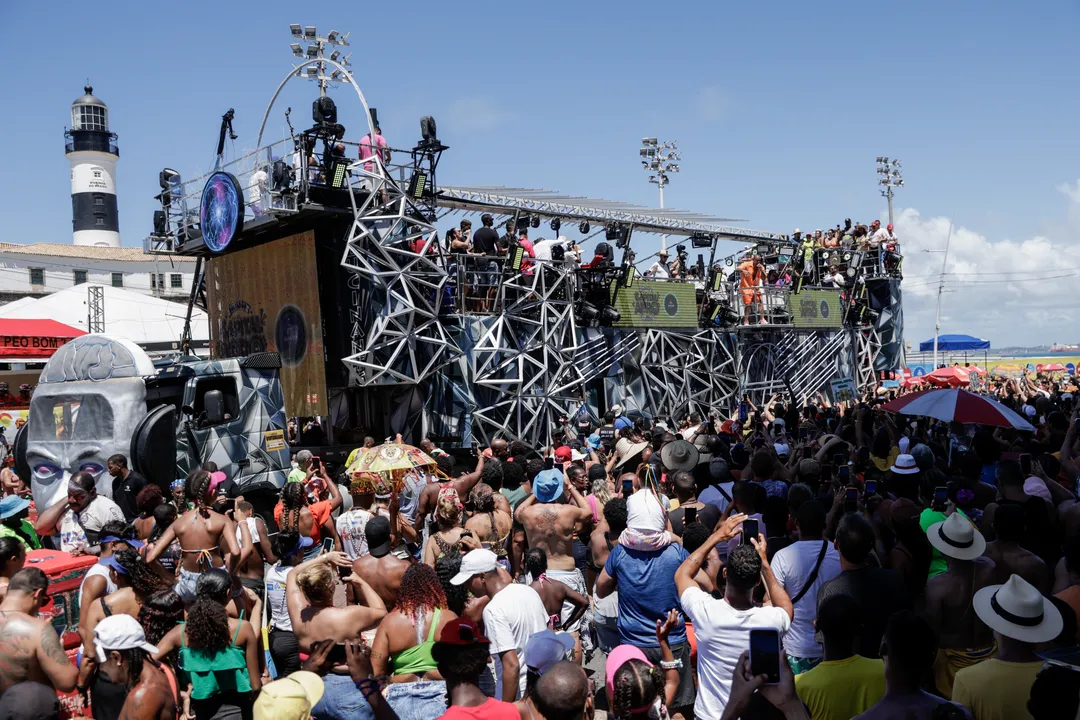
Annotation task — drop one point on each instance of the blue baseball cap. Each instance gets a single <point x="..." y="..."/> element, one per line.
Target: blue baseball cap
<point x="137" y="544"/>
<point x="12" y="505"/>
<point x="548" y="485"/>
<point x="305" y="542"/>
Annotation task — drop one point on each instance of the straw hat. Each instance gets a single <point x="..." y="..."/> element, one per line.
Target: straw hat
<point x="1019" y="611"/>
<point x="956" y="537"/>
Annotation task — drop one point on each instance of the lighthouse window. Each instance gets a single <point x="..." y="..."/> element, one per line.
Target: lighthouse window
<point x="37" y="276"/>
<point x="99" y="201"/>
<point x="79" y="276"/>
<point x="97" y="173"/>
<point x="91" y="118"/>
<point x="99" y="222"/>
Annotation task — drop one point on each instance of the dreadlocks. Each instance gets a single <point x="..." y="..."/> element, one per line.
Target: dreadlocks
<point x="292" y="501"/>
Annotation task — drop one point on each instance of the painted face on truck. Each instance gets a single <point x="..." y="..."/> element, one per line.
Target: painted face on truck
<point x="86" y="407"/>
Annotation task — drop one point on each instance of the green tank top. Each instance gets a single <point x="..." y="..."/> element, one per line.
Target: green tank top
<point x="215" y="672"/>
<point x="417" y="660"/>
<point x="27" y="527"/>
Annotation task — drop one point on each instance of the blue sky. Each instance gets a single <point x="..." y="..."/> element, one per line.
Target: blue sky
<point x="779" y="109"/>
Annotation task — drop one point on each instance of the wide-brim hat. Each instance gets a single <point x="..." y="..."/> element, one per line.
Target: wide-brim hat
<point x="904" y="465"/>
<point x="679" y="455"/>
<point x="1018" y="610"/>
<point x="12" y="505"/>
<point x="956" y="537"/>
<point x="632" y="452"/>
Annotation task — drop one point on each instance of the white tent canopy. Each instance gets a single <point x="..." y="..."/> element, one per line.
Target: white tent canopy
<point x="143" y="319"/>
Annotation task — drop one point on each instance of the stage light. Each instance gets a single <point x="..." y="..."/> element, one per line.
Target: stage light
<point x="555" y="224"/>
<point x="649" y="141"/>
<point x="534" y="221"/>
<point x="297" y="33"/>
<point x="610" y="315"/>
<point x="428" y="130"/>
<point x="297" y="50"/>
<point x="335" y="76"/>
<point x="332" y="38"/>
<point x="312" y="51"/>
<point x="700" y="240"/>
<point x="583" y="228"/>
<point x="161" y="226"/>
<point x="335" y="55"/>
<point x="644" y="152"/>
<point x="339" y="174"/>
<point x="309" y="32"/>
<point x="324" y="109"/>
<point x="588" y="311"/>
<point x="673" y="168"/>
<point x="629" y="275"/>
<point x="312" y="71"/>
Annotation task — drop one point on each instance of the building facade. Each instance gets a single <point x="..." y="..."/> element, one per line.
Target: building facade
<point x="42" y="268"/>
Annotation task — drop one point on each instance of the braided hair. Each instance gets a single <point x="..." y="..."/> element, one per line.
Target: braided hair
<point x="293" y="501"/>
<point x="636" y="684"/>
<point x="446" y="567"/>
<point x="196" y="485"/>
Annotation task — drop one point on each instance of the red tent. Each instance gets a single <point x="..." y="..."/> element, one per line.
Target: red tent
<point x="24" y="339"/>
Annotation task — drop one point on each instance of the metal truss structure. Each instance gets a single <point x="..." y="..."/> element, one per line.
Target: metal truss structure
<point x="546" y="203"/>
<point x="516" y="371"/>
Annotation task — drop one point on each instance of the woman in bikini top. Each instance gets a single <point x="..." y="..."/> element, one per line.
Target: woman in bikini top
<point x="201" y="531"/>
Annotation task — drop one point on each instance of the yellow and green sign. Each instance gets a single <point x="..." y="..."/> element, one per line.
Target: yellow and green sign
<point x="815" y="308"/>
<point x="656" y="304"/>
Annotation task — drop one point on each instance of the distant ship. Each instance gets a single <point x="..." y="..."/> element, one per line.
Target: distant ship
<point x="1055" y="348"/>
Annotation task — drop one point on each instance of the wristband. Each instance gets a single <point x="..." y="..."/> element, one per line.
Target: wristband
<point x="671" y="664"/>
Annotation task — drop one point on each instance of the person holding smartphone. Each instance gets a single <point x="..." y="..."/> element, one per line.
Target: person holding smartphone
<point x="723" y="626"/>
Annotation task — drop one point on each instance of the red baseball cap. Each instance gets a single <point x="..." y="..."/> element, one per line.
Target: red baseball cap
<point x="461" y="631"/>
<point x="563" y="454"/>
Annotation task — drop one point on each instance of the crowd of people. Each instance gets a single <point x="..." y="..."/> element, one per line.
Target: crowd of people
<point x="900" y="567"/>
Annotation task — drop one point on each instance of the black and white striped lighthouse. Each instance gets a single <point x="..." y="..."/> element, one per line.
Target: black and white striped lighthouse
<point x="91" y="149"/>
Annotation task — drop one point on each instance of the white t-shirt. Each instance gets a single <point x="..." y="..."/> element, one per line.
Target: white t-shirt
<point x="275" y="578"/>
<point x="542" y="248"/>
<point x="658" y="270"/>
<point x="99" y="569"/>
<point x="350" y="528"/>
<point x="723" y="634"/>
<point x="792" y="567"/>
<point x="73" y="526"/>
<point x="253" y="528"/>
<point x="510" y="619"/>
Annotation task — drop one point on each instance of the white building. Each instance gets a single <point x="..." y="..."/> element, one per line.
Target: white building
<point x="42" y="268"/>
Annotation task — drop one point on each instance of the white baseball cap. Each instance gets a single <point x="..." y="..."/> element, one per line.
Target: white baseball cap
<point x="782" y="449"/>
<point x="120" y="632"/>
<point x="475" y="562"/>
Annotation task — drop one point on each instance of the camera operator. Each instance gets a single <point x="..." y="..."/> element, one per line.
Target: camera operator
<point x="679" y="267"/>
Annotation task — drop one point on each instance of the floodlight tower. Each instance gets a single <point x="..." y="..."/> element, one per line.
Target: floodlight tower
<point x="889" y="170"/>
<point x="92" y="153"/>
<point x="660" y="159"/>
<point x="314" y="49"/>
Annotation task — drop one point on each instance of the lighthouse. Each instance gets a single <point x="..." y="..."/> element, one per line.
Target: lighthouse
<point x="92" y="152"/>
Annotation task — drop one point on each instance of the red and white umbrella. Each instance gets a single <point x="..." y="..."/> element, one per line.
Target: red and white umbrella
<point x="913" y="381"/>
<point x="948" y="377"/>
<point x="1050" y="367"/>
<point x="962" y="406"/>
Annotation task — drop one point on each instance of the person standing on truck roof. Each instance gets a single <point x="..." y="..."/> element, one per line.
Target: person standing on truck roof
<point x="78" y="518"/>
<point x="126" y="485"/>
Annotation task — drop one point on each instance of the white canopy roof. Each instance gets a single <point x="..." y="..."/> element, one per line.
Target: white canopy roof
<point x="143" y="319"/>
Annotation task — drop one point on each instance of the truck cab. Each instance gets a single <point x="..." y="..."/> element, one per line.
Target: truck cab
<point x="100" y="395"/>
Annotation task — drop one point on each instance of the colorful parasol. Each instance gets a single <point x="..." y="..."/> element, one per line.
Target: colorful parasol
<point x="388" y="462"/>
<point x="1007" y="370"/>
<point x="959" y="405"/>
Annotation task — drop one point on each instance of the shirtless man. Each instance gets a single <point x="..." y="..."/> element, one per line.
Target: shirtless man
<point x="121" y="647"/>
<point x="1007" y="554"/>
<point x="250" y="569"/>
<point x="380" y="568"/>
<point x="550" y="524"/>
<point x="963" y="640"/>
<point x="29" y="647"/>
<point x="201" y="532"/>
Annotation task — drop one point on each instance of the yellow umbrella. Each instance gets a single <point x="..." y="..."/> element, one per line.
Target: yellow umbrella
<point x="391" y="461"/>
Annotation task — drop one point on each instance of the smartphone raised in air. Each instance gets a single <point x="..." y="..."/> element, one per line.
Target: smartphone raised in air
<point x="851" y="500"/>
<point x="765" y="655"/>
<point x="327" y="544"/>
<point x="1025" y="463"/>
<point x="749" y="530"/>
<point x="628" y="488"/>
<point x="941" y="497"/>
<point x="744" y="411"/>
<point x="870" y="488"/>
<point x="690" y="516"/>
<point x="844" y="473"/>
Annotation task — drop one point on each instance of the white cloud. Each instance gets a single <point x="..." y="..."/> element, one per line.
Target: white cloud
<point x="481" y="112"/>
<point x="1009" y="292"/>
<point x="712" y="102"/>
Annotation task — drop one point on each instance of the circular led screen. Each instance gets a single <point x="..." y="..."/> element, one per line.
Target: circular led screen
<point x="221" y="210"/>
